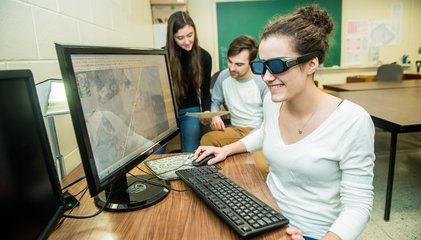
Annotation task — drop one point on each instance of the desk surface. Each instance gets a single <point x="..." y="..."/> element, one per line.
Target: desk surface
<point x="181" y="215"/>
<point x="398" y="108"/>
<point x="373" y="85"/>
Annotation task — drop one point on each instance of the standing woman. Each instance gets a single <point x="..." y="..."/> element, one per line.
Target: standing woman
<point x="319" y="148"/>
<point x="191" y="73"/>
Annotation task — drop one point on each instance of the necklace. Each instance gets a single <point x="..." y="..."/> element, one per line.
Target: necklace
<point x="300" y="130"/>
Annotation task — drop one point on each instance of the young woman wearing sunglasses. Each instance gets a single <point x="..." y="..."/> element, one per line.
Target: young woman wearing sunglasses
<point x="320" y="149"/>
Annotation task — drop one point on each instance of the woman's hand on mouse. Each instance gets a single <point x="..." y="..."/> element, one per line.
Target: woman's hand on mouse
<point x="203" y="151"/>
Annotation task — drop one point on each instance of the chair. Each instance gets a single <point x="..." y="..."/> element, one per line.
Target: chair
<point x="389" y="72"/>
<point x="226" y="120"/>
<point x="213" y="79"/>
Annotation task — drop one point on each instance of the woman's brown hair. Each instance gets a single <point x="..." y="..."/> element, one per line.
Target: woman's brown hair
<point x="177" y="21"/>
<point x="308" y="27"/>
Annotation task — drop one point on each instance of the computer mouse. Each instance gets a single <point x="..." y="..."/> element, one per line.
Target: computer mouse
<point x="204" y="161"/>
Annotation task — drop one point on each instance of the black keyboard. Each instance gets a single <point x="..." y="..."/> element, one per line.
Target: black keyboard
<point x="243" y="212"/>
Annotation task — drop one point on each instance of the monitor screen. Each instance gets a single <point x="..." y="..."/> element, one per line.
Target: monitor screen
<point x="31" y="197"/>
<point x="123" y="110"/>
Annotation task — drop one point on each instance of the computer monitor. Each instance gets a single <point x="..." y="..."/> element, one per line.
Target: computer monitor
<point x="31" y="199"/>
<point x="123" y="109"/>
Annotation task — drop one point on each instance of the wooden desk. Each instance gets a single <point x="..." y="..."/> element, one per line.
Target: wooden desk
<point x="370" y="78"/>
<point x="394" y="110"/>
<point x="407" y="76"/>
<point x="357" y="86"/>
<point x="181" y="215"/>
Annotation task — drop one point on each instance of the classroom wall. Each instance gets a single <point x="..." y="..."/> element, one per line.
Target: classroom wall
<point x="29" y="29"/>
<point x="204" y="12"/>
<point x="410" y="38"/>
<point x="384" y="10"/>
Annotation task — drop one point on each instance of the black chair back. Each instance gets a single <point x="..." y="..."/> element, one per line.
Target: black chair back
<point x="389" y="72"/>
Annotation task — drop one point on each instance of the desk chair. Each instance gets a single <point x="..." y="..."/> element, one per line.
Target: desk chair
<point x="213" y="79"/>
<point x="389" y="72"/>
<point x="227" y="121"/>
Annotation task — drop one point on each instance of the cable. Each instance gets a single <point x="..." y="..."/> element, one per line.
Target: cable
<point x="158" y="183"/>
<point x="73" y="208"/>
<point x="58" y="225"/>
<point x="150" y="181"/>
<point x="73" y="183"/>
<point x="84" y="190"/>
<point x="94" y="214"/>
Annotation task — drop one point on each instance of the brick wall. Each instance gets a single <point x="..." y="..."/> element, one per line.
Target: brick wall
<point x="29" y="29"/>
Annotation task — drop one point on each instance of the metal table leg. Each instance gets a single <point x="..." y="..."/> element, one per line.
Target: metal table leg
<point x="390" y="175"/>
<point x="59" y="160"/>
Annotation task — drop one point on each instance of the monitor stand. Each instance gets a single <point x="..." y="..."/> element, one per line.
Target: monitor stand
<point x="133" y="192"/>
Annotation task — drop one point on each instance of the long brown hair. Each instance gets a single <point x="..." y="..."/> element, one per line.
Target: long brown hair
<point x="177" y="21"/>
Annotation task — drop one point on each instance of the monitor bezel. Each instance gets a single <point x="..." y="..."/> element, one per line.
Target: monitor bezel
<point x="26" y="76"/>
<point x="64" y="53"/>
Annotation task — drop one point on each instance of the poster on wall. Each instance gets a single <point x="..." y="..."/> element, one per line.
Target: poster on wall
<point x="365" y="37"/>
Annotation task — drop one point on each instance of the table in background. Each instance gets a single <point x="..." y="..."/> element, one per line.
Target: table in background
<point x="369" y="78"/>
<point x="395" y="110"/>
<point x="181" y="215"/>
<point x="373" y="85"/>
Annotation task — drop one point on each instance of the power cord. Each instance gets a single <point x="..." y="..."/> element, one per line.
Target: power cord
<point x="94" y="214"/>
<point x="158" y="183"/>
<point x="155" y="183"/>
<point x="84" y="190"/>
<point x="73" y="183"/>
<point x="82" y="194"/>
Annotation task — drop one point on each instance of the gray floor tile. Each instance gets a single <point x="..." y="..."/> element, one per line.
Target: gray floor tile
<point x="373" y="231"/>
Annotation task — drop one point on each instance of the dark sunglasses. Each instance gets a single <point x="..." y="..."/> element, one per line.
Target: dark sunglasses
<point x="280" y="64"/>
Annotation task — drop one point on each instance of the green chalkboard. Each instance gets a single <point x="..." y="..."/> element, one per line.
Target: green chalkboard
<point x="249" y="17"/>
